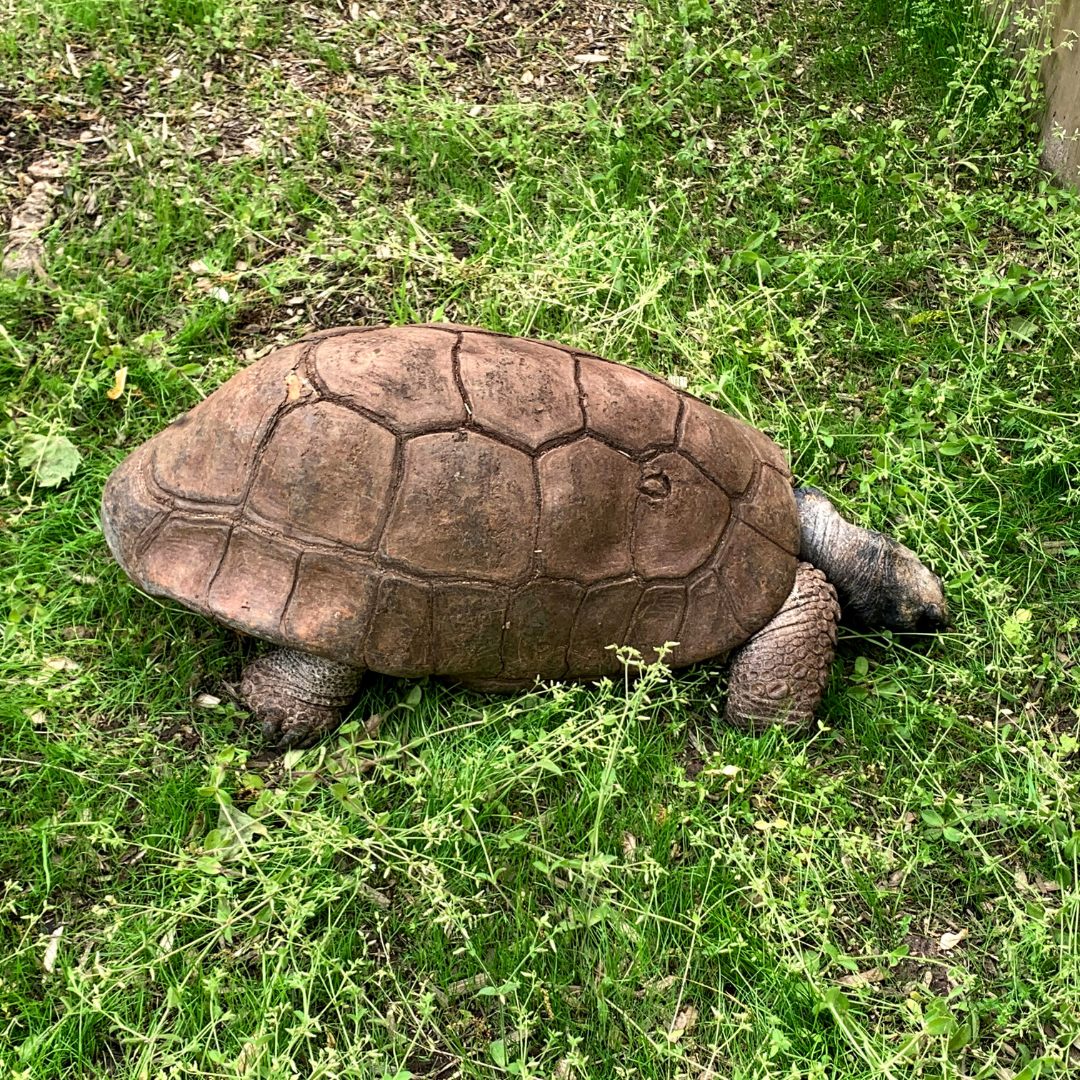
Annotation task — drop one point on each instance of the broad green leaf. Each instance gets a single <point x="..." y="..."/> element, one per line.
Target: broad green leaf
<point x="51" y="458"/>
<point x="941" y="1024"/>
<point x="960" y="1038"/>
<point x="836" y="1000"/>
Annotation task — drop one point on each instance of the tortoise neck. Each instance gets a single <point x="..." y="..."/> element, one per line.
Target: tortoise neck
<point x="854" y="559"/>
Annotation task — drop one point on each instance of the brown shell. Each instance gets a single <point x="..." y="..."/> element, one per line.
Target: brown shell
<point x="441" y="499"/>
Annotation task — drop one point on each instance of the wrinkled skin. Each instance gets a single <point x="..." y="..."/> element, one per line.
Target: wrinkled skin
<point x="881" y="581"/>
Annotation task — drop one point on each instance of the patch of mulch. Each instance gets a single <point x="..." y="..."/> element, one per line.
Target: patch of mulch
<point x="927" y="965"/>
<point x="540" y="49"/>
<point x="182" y="734"/>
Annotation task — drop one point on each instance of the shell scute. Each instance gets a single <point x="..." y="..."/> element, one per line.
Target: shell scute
<point x="719" y="445"/>
<point x="538" y="627"/>
<point x="679" y="517"/>
<point x="521" y="390"/>
<point x="326" y="471"/>
<point x="587" y="497"/>
<point x="708" y="628"/>
<point x="467" y="625"/>
<point x="628" y="407"/>
<point x="331" y="604"/>
<point x="656" y="619"/>
<point x="772" y="510"/>
<point x="602" y="620"/>
<point x="399" y="640"/>
<point x="206" y="454"/>
<point x="763" y="447"/>
<point x="757" y="574"/>
<point x="466" y="507"/>
<point x="253" y="584"/>
<point x="130" y="509"/>
<point x="181" y="559"/>
<point x="403" y="374"/>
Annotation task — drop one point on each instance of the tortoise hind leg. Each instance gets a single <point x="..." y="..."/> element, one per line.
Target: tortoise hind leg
<point x="297" y="698"/>
<point x="779" y="675"/>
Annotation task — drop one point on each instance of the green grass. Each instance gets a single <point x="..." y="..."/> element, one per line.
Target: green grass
<point x="785" y="206"/>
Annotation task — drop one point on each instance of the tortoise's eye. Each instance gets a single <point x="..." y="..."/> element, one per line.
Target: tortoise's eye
<point x="656" y="485"/>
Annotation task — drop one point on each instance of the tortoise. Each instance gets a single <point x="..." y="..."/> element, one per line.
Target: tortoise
<point x="443" y="500"/>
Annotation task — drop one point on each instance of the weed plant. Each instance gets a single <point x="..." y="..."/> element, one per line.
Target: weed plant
<point x="781" y="205"/>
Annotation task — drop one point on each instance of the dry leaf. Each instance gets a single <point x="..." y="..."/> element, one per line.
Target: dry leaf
<point x="863" y="978"/>
<point x="730" y="771"/>
<point x="657" y="986"/>
<point x="372" y="725"/>
<point x="292" y="381"/>
<point x="249" y="1054"/>
<point x="52" y="948"/>
<point x="629" y="844"/>
<point x="207" y="701"/>
<point x="592" y="58"/>
<point x="218" y="293"/>
<point x="379" y="899"/>
<point x="199" y="267"/>
<point x="685" y="1020"/>
<point x="48" y="168"/>
<point x="950" y="941"/>
<point x="465" y="986"/>
<point x="25" y="251"/>
<point x="60" y="663"/>
<point x="120" y="381"/>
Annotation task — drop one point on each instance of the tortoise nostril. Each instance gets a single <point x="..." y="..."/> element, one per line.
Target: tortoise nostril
<point x="934" y="616"/>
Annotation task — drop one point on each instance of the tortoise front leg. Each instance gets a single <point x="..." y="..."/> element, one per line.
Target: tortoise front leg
<point x="296" y="697"/>
<point x="779" y="675"/>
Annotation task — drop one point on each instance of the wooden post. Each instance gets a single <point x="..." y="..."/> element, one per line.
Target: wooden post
<point x="1061" y="79"/>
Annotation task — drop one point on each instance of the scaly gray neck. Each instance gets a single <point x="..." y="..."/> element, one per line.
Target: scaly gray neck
<point x="858" y="561"/>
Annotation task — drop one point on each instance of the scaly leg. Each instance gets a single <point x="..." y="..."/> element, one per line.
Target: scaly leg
<point x="779" y="675"/>
<point x="296" y="697"/>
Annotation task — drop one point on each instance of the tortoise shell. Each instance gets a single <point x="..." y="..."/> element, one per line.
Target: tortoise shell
<point x="439" y="499"/>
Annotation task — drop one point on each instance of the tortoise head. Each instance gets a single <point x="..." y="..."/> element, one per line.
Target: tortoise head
<point x="880" y="580"/>
<point x="912" y="595"/>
